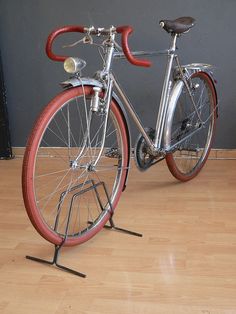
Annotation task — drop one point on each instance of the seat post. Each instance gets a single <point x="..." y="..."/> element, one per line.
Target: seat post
<point x="173" y="42"/>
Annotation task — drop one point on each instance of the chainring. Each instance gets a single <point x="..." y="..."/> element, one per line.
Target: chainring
<point x="142" y="155"/>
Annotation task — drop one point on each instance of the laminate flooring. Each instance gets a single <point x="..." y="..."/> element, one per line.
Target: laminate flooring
<point x="184" y="263"/>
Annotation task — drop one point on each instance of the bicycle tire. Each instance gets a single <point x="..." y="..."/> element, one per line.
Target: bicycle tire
<point x="188" y="158"/>
<point x="37" y="172"/>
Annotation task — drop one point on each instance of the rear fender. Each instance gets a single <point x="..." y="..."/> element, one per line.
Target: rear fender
<point x="174" y="96"/>
<point x="190" y="69"/>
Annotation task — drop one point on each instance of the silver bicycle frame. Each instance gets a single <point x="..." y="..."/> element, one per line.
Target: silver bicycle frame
<point x="166" y="89"/>
<point x="155" y="146"/>
<point x="169" y="95"/>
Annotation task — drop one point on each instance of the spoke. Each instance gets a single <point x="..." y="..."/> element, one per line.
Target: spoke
<point x="49" y="197"/>
<point x="60" y="203"/>
<point x="54" y="150"/>
<point x="111" y="133"/>
<point x="81" y="190"/>
<point x="102" y="124"/>
<point x="62" y="140"/>
<point x="81" y="123"/>
<point x="50" y="173"/>
<point x="69" y="133"/>
<point x="99" y="143"/>
<point x="57" y="190"/>
<point x="59" y="129"/>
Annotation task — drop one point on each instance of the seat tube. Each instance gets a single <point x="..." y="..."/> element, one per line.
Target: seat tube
<point x="164" y="96"/>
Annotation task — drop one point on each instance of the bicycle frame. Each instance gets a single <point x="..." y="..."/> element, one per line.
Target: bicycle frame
<point x="169" y="94"/>
<point x="155" y="145"/>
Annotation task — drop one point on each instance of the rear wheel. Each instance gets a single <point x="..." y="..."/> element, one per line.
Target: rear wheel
<point x="64" y="189"/>
<point x="192" y="130"/>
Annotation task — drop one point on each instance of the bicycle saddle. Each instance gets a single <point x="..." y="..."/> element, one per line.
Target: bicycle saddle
<point x="178" y="26"/>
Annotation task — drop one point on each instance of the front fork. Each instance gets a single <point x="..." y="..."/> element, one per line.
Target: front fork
<point x="101" y="106"/>
<point x="95" y="104"/>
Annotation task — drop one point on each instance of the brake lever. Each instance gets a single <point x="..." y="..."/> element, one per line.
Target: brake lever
<point x="85" y="40"/>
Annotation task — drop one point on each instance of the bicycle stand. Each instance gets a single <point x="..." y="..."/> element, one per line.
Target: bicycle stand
<point x="112" y="226"/>
<point x="54" y="261"/>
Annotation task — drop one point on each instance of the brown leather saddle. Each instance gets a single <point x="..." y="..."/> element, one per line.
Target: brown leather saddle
<point x="178" y="26"/>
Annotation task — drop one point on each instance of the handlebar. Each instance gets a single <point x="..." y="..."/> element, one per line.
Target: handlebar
<point x="125" y="31"/>
<point x="56" y="33"/>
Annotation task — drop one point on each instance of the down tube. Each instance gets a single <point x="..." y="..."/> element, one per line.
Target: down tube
<point x="133" y="114"/>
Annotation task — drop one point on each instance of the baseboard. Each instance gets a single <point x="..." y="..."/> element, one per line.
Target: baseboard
<point x="18" y="151"/>
<point x="214" y="154"/>
<point x="223" y="154"/>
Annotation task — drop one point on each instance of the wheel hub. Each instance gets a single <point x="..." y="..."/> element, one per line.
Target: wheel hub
<point x="74" y="165"/>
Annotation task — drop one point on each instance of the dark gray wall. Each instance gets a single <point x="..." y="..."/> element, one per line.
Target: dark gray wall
<point x="32" y="79"/>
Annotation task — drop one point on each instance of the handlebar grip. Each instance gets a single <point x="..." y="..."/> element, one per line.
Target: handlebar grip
<point x="125" y="32"/>
<point x="56" y="33"/>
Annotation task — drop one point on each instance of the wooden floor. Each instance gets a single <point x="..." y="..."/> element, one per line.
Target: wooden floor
<point x="185" y="262"/>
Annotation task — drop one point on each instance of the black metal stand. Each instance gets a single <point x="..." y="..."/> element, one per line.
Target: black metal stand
<point x="54" y="261"/>
<point x="112" y="226"/>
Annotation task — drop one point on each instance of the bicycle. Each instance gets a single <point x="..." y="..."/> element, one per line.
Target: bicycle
<point x="77" y="157"/>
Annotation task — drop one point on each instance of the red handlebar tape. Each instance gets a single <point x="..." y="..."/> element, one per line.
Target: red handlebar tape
<point x="56" y="33"/>
<point x="125" y="31"/>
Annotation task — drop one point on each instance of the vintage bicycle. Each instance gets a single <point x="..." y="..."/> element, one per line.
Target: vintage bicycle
<point x="77" y="157"/>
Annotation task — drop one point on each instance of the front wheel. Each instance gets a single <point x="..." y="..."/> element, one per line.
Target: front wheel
<point x="192" y="128"/>
<point x="68" y="191"/>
